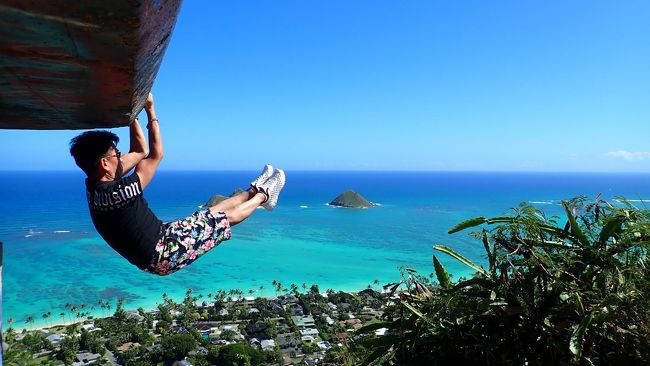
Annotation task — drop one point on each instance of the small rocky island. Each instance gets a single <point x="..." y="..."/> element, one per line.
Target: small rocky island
<point x="218" y="198"/>
<point x="351" y="199"/>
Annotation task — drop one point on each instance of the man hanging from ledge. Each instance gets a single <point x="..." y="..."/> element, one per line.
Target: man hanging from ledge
<point x="123" y="218"/>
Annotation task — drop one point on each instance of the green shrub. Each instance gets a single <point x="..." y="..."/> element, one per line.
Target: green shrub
<point x="177" y="346"/>
<point x="239" y="355"/>
<point x="551" y="295"/>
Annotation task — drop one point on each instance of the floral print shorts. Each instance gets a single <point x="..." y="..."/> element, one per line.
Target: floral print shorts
<point x="185" y="240"/>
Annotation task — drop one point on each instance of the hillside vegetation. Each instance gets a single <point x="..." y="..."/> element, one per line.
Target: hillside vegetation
<point x="554" y="292"/>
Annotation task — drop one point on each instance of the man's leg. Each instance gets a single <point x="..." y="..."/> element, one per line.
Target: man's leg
<point x="240" y="212"/>
<point x="232" y="202"/>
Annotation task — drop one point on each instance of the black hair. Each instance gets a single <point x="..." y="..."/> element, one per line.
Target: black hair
<point x="89" y="147"/>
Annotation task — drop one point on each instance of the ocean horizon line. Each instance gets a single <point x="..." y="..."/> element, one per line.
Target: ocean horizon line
<point x="161" y="170"/>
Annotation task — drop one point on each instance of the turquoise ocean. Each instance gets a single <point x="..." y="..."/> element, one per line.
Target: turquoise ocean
<point x="53" y="256"/>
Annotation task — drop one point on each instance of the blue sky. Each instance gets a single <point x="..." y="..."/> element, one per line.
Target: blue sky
<point x="395" y="85"/>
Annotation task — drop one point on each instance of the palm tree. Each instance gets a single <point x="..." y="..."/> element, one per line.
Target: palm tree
<point x="314" y="290"/>
<point x="46" y="316"/>
<point x="62" y="315"/>
<point x="73" y="312"/>
<point x="166" y="300"/>
<point x="120" y="314"/>
<point x="100" y="302"/>
<point x="29" y="319"/>
<point x="231" y="294"/>
<point x="221" y="295"/>
<point x="10" y="321"/>
<point x="278" y="287"/>
<point x="73" y="329"/>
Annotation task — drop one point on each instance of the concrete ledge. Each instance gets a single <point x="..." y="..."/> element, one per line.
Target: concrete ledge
<point x="80" y="64"/>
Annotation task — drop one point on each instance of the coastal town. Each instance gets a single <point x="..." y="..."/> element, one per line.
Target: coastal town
<point x="299" y="326"/>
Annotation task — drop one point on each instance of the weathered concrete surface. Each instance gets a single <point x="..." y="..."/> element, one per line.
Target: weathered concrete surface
<point x="80" y="64"/>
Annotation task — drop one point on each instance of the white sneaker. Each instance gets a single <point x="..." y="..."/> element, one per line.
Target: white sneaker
<point x="272" y="187"/>
<point x="266" y="173"/>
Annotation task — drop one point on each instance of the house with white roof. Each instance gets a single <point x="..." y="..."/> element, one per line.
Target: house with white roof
<point x="324" y="345"/>
<point x="309" y="332"/>
<point x="307" y="339"/>
<point x="267" y="344"/>
<point x="55" y="339"/>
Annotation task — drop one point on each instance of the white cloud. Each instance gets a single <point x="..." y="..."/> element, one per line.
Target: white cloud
<point x="629" y="155"/>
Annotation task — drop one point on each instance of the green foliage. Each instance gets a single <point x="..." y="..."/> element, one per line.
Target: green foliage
<point x="120" y="330"/>
<point x="20" y="352"/>
<point x="198" y="360"/>
<point x="91" y="342"/>
<point x="35" y="342"/>
<point x="309" y="348"/>
<point x="304" y="302"/>
<point x="345" y="356"/>
<point x="120" y="313"/>
<point x="270" y="332"/>
<point x="241" y="355"/>
<point x="134" y="356"/>
<point x="177" y="346"/>
<point x="564" y="295"/>
<point x="227" y="334"/>
<point x="69" y="347"/>
<point x="314" y="290"/>
<point x="443" y="277"/>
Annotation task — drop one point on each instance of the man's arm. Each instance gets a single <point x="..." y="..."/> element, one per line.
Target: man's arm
<point x="147" y="167"/>
<point x="137" y="149"/>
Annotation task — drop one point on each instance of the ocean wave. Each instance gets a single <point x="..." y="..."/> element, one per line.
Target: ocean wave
<point x="61" y="231"/>
<point x="32" y="232"/>
<point x="303" y="206"/>
<point x="542" y="202"/>
<point x="639" y="200"/>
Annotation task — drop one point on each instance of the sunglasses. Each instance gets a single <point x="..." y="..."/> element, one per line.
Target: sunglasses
<point x="117" y="154"/>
